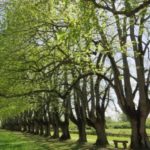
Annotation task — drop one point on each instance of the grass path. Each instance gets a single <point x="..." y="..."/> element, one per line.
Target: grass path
<point x="18" y="141"/>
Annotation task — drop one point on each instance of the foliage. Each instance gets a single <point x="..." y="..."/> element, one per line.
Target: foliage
<point x="67" y="57"/>
<point x="119" y="125"/>
<point x="123" y="117"/>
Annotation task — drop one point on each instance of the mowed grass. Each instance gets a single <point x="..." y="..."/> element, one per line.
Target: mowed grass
<point x="123" y="131"/>
<point x="16" y="141"/>
<point x="19" y="141"/>
<point x="92" y="139"/>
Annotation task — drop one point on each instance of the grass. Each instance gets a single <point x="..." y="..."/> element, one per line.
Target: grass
<point x="19" y="141"/>
<point x="16" y="141"/>
<point x="92" y="139"/>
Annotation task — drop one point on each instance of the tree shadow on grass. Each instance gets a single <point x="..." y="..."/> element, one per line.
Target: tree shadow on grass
<point x="69" y="145"/>
<point x="55" y="144"/>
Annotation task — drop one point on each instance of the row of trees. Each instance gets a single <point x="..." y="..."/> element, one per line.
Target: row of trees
<point x="70" y="59"/>
<point x="80" y="106"/>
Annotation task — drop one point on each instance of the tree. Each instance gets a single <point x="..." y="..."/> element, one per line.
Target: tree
<point x="125" y="27"/>
<point x="108" y="40"/>
<point x="123" y="117"/>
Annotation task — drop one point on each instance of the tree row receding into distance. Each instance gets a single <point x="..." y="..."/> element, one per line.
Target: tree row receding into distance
<point x="63" y="61"/>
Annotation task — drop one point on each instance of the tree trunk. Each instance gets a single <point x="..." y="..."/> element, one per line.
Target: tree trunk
<point x="41" y="129"/>
<point x="82" y="132"/>
<point x="28" y="128"/>
<point x="56" y="132"/>
<point x="32" y="128"/>
<point x="65" y="131"/>
<point x="36" y="128"/>
<point x="23" y="127"/>
<point x="101" y="134"/>
<point x="139" y="138"/>
<point x="47" y="129"/>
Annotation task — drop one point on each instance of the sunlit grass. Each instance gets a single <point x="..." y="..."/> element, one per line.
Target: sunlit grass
<point x="19" y="141"/>
<point x="16" y="141"/>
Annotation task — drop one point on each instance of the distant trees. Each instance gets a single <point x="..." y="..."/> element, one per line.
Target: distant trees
<point x="123" y="117"/>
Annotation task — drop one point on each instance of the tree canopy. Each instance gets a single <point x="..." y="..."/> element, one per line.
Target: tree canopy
<point x="71" y="57"/>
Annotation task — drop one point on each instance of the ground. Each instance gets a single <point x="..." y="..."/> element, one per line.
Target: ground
<point x="19" y="141"/>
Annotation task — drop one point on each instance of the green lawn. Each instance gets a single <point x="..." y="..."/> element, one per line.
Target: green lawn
<point x="19" y="141"/>
<point x="92" y="139"/>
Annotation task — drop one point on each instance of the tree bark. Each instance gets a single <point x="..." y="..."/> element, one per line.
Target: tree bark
<point x="28" y="128"/>
<point x="41" y="129"/>
<point x="65" y="131"/>
<point x="47" y="129"/>
<point x="82" y="132"/>
<point x="101" y="135"/>
<point x="23" y="128"/>
<point x="139" y="138"/>
<point x="32" y="127"/>
<point x="36" y="128"/>
<point x="56" y="132"/>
